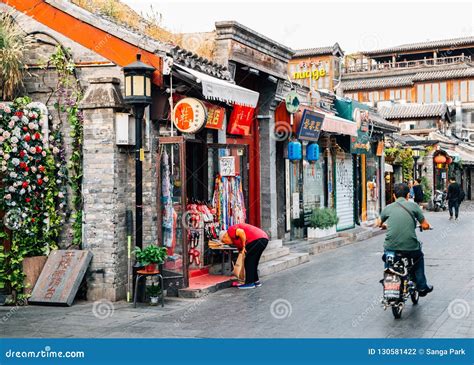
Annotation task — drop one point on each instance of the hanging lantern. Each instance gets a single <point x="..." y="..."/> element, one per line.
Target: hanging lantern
<point x="439" y="159"/>
<point x="449" y="160"/>
<point x="440" y="166"/>
<point x="295" y="151"/>
<point x="312" y="152"/>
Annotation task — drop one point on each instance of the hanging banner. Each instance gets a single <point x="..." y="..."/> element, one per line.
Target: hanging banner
<point x="241" y="120"/>
<point x="310" y="126"/>
<point x="189" y="115"/>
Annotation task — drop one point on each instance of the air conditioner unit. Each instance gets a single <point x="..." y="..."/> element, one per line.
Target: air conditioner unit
<point x="124" y="129"/>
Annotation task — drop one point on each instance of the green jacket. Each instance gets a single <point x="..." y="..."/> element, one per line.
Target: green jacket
<point x="401" y="234"/>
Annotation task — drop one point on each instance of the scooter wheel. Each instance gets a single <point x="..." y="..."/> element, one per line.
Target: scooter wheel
<point x="436" y="209"/>
<point x="397" y="312"/>
<point x="414" y="297"/>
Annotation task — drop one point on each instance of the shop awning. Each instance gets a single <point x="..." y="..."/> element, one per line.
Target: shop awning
<point x="339" y="125"/>
<point x="221" y="90"/>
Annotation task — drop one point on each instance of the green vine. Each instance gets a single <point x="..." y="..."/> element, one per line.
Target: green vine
<point x="68" y="96"/>
<point x="403" y="157"/>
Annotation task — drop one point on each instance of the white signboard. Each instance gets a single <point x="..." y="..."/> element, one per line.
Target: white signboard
<point x="227" y="165"/>
<point x="295" y="206"/>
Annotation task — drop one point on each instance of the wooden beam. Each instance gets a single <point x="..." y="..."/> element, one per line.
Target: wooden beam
<point x="103" y="43"/>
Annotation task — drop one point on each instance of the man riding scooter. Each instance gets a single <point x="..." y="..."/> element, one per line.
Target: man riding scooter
<point x="400" y="219"/>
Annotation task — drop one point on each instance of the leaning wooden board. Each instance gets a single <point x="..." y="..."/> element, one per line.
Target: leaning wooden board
<point x="61" y="276"/>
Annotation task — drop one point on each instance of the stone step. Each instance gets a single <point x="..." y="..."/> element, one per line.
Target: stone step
<point x="274" y="253"/>
<point x="323" y="246"/>
<point x="282" y="263"/>
<point x="274" y="244"/>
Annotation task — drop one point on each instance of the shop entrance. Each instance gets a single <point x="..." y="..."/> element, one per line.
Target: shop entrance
<point x="202" y="189"/>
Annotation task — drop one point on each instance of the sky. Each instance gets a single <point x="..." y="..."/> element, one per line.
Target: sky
<point x="299" y="24"/>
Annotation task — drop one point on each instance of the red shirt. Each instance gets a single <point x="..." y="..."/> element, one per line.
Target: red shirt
<point x="251" y="232"/>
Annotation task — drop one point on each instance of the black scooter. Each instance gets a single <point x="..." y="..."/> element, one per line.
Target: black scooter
<point x="398" y="282"/>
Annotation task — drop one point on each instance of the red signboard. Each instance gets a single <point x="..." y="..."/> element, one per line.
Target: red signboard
<point x="241" y="120"/>
<point x="215" y="116"/>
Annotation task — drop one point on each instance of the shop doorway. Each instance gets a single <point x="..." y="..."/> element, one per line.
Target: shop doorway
<point x="228" y="169"/>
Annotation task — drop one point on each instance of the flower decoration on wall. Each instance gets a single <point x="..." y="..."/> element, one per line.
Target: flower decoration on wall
<point x="33" y="185"/>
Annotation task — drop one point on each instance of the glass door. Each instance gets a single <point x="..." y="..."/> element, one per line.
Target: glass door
<point x="171" y="204"/>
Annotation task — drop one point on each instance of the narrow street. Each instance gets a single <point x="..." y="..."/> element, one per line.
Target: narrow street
<point x="336" y="294"/>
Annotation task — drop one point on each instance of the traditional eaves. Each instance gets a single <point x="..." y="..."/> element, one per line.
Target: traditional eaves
<point x="319" y="51"/>
<point x="415" y="111"/>
<point x="444" y="74"/>
<point x="445" y="43"/>
<point x="376" y="83"/>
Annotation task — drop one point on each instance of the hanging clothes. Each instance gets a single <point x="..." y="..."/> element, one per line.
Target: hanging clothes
<point x="228" y="201"/>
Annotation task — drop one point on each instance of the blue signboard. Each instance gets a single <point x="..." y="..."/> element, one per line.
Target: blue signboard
<point x="310" y="126"/>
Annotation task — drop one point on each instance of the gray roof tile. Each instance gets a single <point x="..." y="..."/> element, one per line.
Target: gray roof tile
<point x="413" y="111"/>
<point x="453" y="42"/>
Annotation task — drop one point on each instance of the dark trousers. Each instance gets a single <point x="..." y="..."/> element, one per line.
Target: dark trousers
<point x="453" y="204"/>
<point x="252" y="257"/>
<point x="418" y="267"/>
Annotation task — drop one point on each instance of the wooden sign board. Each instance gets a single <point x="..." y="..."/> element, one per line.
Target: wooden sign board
<point x="61" y="277"/>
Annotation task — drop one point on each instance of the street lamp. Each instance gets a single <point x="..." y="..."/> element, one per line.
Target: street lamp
<point x="416" y="156"/>
<point x="138" y="95"/>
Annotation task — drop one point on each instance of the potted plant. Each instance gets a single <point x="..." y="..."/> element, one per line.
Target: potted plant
<point x="323" y="223"/>
<point x="154" y="293"/>
<point x="150" y="256"/>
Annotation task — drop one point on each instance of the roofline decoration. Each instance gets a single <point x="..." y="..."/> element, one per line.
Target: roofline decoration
<point x="420" y="46"/>
<point x="334" y="50"/>
<point x="193" y="61"/>
<point x="240" y="33"/>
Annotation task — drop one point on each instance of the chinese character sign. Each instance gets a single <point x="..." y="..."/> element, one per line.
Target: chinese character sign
<point x="189" y="115"/>
<point x="241" y="120"/>
<point x="310" y="126"/>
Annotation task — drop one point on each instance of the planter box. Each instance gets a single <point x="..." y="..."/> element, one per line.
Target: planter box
<point x="32" y="267"/>
<point x="321" y="233"/>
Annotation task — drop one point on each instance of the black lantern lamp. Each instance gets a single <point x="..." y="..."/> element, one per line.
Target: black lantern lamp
<point x="138" y="95"/>
<point x="416" y="153"/>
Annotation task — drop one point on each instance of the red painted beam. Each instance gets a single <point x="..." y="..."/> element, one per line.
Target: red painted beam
<point x="105" y="44"/>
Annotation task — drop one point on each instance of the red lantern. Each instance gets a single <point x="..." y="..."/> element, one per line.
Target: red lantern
<point x="449" y="160"/>
<point x="440" y="159"/>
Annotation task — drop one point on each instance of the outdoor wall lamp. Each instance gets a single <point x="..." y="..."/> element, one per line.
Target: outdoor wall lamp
<point x="138" y="95"/>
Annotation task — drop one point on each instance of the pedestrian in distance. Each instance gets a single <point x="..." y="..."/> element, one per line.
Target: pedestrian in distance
<point x="254" y="240"/>
<point x="412" y="192"/>
<point x="418" y="191"/>
<point x="454" y="197"/>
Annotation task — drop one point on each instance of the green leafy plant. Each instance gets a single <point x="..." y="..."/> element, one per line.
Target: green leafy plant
<point x="426" y="189"/>
<point x="151" y="254"/>
<point x="153" y="290"/>
<point x="13" y="46"/>
<point x="68" y="94"/>
<point x="323" y="218"/>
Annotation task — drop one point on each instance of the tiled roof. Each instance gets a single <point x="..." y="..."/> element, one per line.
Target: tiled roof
<point x="363" y="82"/>
<point x="318" y="51"/>
<point x="454" y="42"/>
<point x="444" y="74"/>
<point x="382" y="123"/>
<point x="195" y="62"/>
<point x="376" y="83"/>
<point x="413" y="111"/>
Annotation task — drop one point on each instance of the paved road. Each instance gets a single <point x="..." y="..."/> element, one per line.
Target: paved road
<point x="336" y="294"/>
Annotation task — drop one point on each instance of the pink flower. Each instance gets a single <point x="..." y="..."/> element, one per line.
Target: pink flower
<point x="8" y="196"/>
